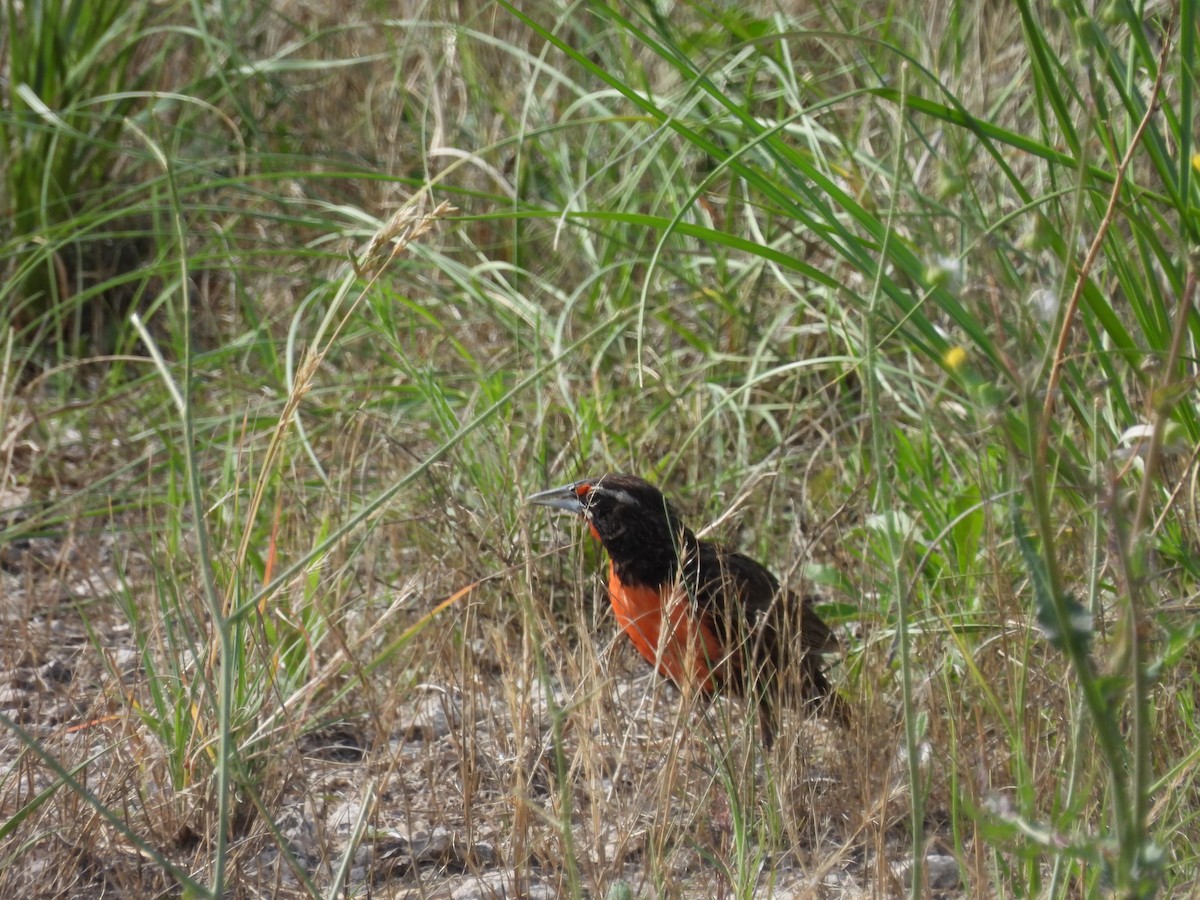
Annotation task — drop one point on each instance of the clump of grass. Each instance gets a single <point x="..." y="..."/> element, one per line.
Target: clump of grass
<point x="72" y="74"/>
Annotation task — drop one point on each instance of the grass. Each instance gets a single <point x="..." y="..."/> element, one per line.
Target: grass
<point x="899" y="298"/>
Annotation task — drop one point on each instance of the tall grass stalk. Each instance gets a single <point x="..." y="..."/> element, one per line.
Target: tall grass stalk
<point x="881" y="462"/>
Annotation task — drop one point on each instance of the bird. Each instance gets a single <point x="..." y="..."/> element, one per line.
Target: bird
<point x="704" y="615"/>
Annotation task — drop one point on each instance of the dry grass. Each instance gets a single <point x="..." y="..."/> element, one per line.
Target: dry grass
<point x="427" y="696"/>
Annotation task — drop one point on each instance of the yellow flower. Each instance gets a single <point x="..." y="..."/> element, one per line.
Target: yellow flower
<point x="955" y="358"/>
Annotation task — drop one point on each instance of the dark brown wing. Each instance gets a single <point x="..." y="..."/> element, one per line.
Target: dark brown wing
<point x="768" y="631"/>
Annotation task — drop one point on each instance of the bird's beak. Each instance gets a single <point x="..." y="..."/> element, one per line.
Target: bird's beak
<point x="565" y="497"/>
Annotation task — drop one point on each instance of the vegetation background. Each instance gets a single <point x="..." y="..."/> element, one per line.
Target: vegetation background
<point x="301" y="301"/>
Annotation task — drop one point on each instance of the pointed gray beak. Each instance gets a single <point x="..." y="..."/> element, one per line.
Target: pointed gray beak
<point x="559" y="498"/>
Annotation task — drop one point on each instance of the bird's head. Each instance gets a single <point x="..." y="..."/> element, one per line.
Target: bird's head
<point x="628" y="515"/>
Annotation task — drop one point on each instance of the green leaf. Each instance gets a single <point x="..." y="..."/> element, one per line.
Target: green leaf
<point x="1063" y="621"/>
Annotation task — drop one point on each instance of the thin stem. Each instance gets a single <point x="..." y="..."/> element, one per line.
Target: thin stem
<point x="884" y="501"/>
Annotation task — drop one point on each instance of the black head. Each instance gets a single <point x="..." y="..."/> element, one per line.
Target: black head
<point x="637" y="525"/>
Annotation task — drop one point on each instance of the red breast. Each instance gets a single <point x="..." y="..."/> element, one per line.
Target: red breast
<point x="677" y="643"/>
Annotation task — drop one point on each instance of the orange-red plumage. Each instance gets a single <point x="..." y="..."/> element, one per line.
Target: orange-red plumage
<point x="668" y="635"/>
